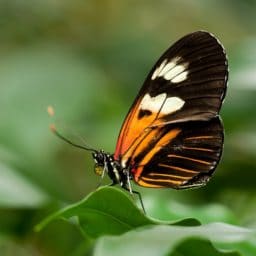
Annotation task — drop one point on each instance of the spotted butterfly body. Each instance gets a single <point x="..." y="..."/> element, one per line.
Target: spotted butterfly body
<point x="172" y="135"/>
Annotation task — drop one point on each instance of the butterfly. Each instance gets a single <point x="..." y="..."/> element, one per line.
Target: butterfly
<point x="172" y="136"/>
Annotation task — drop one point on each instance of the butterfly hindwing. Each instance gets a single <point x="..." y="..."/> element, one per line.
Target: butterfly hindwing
<point x="181" y="156"/>
<point x="187" y="83"/>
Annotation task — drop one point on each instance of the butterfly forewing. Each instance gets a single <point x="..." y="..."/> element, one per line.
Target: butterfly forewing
<point x="172" y="135"/>
<point x="187" y="83"/>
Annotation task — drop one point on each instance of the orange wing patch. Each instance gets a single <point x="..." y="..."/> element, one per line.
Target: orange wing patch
<point x="148" y="112"/>
<point x="132" y="129"/>
<point x="166" y="139"/>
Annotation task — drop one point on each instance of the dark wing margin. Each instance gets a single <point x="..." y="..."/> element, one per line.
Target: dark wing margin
<point x="187" y="160"/>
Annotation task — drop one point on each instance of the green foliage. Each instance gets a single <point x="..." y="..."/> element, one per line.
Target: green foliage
<point x="88" y="60"/>
<point x="104" y="212"/>
<point x="109" y="212"/>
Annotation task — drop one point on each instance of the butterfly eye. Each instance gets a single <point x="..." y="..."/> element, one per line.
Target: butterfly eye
<point x="95" y="155"/>
<point x="98" y="169"/>
<point x="99" y="158"/>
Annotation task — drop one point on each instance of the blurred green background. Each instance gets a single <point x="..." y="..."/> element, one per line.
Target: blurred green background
<point x="88" y="60"/>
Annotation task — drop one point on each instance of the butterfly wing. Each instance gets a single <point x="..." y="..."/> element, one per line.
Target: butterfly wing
<point x="187" y="83"/>
<point x="182" y="94"/>
<point x="181" y="156"/>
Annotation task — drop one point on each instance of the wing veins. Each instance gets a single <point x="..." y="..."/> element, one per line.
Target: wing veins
<point x="174" y="180"/>
<point x="199" y="137"/>
<point x="177" y="168"/>
<point x="189" y="158"/>
<point x="199" y="149"/>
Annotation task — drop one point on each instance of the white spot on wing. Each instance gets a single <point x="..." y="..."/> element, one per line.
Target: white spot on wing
<point x="161" y="103"/>
<point x="158" y="70"/>
<point x="172" y="104"/>
<point x="153" y="104"/>
<point x="172" y="71"/>
<point x="180" y="77"/>
<point x="167" y="68"/>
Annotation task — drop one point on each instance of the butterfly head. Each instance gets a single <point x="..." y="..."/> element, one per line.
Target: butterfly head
<point x="106" y="164"/>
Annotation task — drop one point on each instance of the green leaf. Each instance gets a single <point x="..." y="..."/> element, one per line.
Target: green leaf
<point x="195" y="247"/>
<point x="165" y="208"/>
<point x="107" y="211"/>
<point x="163" y="239"/>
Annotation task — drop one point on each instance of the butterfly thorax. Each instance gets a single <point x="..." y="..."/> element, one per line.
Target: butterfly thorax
<point x="105" y="163"/>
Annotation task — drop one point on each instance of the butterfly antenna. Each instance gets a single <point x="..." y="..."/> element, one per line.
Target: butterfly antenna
<point x="50" y="111"/>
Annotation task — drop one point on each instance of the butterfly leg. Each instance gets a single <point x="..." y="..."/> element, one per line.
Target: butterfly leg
<point x="139" y="196"/>
<point x="127" y="186"/>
